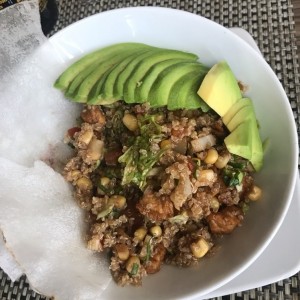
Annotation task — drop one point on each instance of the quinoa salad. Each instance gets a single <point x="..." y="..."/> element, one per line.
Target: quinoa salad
<point x="158" y="186"/>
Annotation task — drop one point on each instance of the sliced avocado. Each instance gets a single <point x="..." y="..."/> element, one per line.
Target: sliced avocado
<point x="239" y="141"/>
<point x="91" y="80"/>
<point x="89" y="83"/>
<point x="184" y="93"/>
<point x="94" y="97"/>
<point x="220" y="89"/>
<point x="245" y="141"/>
<point x="129" y="70"/>
<point x="143" y="88"/>
<point x="143" y="66"/>
<point x="193" y="100"/>
<point x="244" y="114"/>
<point x="175" y="99"/>
<point x="73" y="87"/>
<point x="241" y="103"/>
<point x="161" y="88"/>
<point x="98" y="56"/>
<point x="257" y="149"/>
<point x="105" y="90"/>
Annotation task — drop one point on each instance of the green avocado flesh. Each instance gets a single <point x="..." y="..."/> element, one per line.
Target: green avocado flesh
<point x="97" y="75"/>
<point x="143" y="87"/>
<point x="241" y="103"/>
<point x="143" y="66"/>
<point x="161" y="88"/>
<point x="138" y="73"/>
<point x="220" y="90"/>
<point x="184" y="92"/>
<point x="95" y="57"/>
<point x="105" y="89"/>
<point x="244" y="114"/>
<point x="130" y="72"/>
<point x="245" y="141"/>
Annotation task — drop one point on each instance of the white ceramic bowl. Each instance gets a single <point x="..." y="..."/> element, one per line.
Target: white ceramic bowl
<point x="185" y="31"/>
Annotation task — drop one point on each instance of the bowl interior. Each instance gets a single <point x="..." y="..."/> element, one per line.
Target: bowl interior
<point x="184" y="31"/>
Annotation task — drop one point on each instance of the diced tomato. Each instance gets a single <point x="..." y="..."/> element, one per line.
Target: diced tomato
<point x="191" y="165"/>
<point x="111" y="156"/>
<point x="72" y="131"/>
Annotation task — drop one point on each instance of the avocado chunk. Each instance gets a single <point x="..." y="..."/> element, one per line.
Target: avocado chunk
<point x="241" y="103"/>
<point x="239" y="143"/>
<point x="244" y="114"/>
<point x="220" y="89"/>
<point x="257" y="149"/>
<point x="95" y="57"/>
<point x="143" y="88"/>
<point x="143" y="66"/>
<point x="184" y="95"/>
<point x="161" y="88"/>
<point x="245" y="141"/>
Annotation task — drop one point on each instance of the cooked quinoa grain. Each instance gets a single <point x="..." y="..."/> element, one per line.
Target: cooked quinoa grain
<point x="158" y="186"/>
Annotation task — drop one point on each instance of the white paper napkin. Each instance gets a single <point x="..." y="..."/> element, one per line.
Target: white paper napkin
<point x="33" y="120"/>
<point x="20" y="34"/>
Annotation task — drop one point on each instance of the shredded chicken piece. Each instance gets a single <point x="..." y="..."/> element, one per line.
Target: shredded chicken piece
<point x="178" y="183"/>
<point x="153" y="265"/>
<point x="226" y="220"/>
<point x="93" y="115"/>
<point x="155" y="208"/>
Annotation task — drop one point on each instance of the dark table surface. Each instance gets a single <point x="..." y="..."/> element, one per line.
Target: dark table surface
<point x="296" y="10"/>
<point x="255" y="17"/>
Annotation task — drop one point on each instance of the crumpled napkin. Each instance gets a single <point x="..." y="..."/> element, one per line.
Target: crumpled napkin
<point x="33" y="120"/>
<point x="20" y="35"/>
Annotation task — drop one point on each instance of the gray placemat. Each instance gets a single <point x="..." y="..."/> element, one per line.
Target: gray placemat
<point x="271" y="23"/>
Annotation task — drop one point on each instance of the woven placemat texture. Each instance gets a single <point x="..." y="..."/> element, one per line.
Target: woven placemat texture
<point x="271" y="23"/>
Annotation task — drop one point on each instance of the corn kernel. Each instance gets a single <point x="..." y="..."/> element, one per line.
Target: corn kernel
<point x="122" y="251"/>
<point x="156" y="231"/>
<point x="130" y="121"/>
<point x="104" y="181"/>
<point x="211" y="156"/>
<point x="84" y="183"/>
<point x="117" y="201"/>
<point x="255" y="193"/>
<point x="200" y="248"/>
<point x="214" y="204"/>
<point x="133" y="265"/>
<point x="165" y="144"/>
<point x="140" y="233"/>
<point x="222" y="161"/>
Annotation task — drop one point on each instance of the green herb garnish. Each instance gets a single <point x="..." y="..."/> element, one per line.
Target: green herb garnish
<point x="232" y="177"/>
<point x="148" y="250"/>
<point x="135" y="269"/>
<point x="140" y="157"/>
